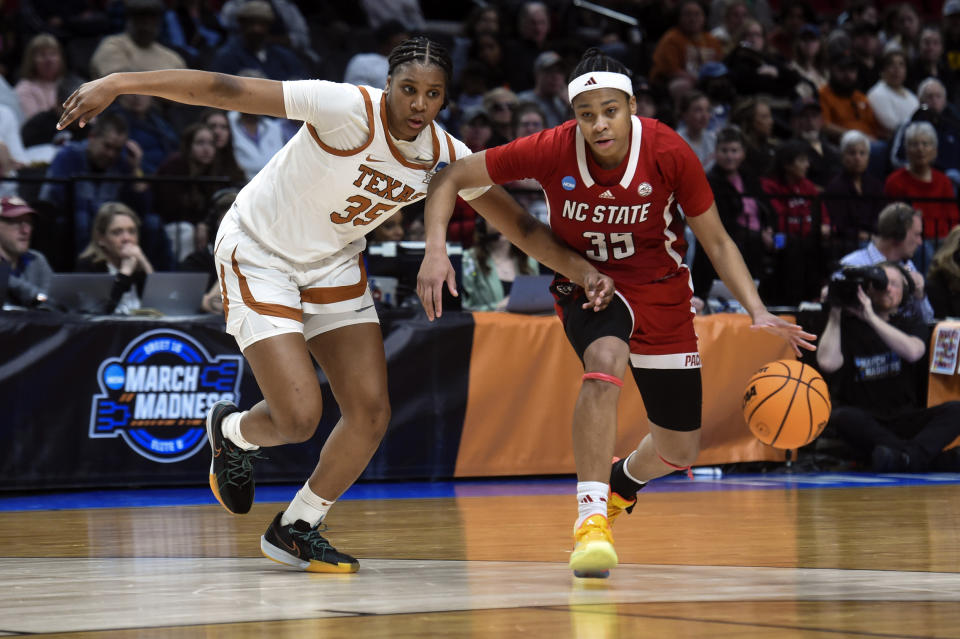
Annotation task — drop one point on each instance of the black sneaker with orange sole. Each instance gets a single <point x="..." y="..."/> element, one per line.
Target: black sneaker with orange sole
<point x="231" y="467"/>
<point x="303" y="547"/>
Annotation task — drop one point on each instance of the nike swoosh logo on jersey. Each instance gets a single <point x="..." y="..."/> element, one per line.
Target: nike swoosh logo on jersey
<point x="360" y="310"/>
<point x="370" y="158"/>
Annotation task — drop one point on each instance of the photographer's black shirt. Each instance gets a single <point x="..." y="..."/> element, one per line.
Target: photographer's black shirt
<point x="873" y="377"/>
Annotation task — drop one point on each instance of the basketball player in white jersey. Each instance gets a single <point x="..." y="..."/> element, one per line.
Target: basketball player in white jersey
<point x="291" y="273"/>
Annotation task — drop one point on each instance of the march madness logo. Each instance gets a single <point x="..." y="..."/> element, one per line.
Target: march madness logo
<point x="156" y="395"/>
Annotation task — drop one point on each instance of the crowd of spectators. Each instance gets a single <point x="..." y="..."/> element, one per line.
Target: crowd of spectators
<point x="808" y="116"/>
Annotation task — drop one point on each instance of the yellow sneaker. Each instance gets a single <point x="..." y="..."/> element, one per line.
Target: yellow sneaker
<point x="593" y="554"/>
<point x="617" y="504"/>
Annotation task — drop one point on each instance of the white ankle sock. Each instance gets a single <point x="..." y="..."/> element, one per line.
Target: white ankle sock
<point x="626" y="470"/>
<point x="591" y="500"/>
<point x="308" y="506"/>
<point x="231" y="430"/>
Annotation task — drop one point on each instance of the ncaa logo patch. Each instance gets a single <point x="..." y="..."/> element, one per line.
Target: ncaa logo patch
<point x="155" y="396"/>
<point x="429" y="174"/>
<point x="568" y="183"/>
<point x="644" y="189"/>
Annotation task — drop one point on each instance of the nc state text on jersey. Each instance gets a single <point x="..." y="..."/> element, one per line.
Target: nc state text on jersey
<point x="605" y="213"/>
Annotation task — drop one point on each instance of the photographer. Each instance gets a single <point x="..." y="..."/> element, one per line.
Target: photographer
<point x="869" y="351"/>
<point x="899" y="235"/>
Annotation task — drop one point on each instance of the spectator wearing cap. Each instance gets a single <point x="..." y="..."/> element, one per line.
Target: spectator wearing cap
<point x="735" y="12"/>
<point x="853" y="196"/>
<point x="931" y="63"/>
<point x="250" y="48"/>
<point x="371" y="68"/>
<point x="945" y="118"/>
<point x="533" y="29"/>
<point x="951" y="35"/>
<point x="807" y="58"/>
<point x="136" y="49"/>
<point x="844" y="106"/>
<point x="806" y="122"/>
<point x="30" y="273"/>
<point x="755" y="70"/>
<point x="549" y="91"/>
<point x="683" y="49"/>
<point x="892" y="102"/>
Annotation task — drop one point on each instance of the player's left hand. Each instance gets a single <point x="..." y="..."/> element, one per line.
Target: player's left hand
<point x="599" y="289"/>
<point x="793" y="333"/>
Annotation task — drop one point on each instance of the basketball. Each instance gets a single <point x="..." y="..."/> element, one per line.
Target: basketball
<point x="786" y="404"/>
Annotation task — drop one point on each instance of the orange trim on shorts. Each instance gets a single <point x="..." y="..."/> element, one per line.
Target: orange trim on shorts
<point x="396" y="152"/>
<point x="273" y="310"/>
<point x="332" y="294"/>
<point x="345" y="152"/>
<point x="223" y="292"/>
<point x="451" y="150"/>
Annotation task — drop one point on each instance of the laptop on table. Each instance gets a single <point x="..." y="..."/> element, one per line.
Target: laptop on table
<point x="174" y="293"/>
<point x="81" y="292"/>
<point x="530" y="294"/>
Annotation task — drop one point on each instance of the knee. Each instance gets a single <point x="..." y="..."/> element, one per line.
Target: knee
<point x="298" y="422"/>
<point x="682" y="452"/>
<point x="370" y="416"/>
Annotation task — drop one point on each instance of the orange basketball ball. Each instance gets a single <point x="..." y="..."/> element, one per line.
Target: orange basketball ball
<point x="786" y="404"/>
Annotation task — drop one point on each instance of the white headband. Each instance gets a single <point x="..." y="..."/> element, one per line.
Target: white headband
<point x="599" y="80"/>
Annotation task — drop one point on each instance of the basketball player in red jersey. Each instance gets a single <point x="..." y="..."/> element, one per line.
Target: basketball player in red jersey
<point x="615" y="184"/>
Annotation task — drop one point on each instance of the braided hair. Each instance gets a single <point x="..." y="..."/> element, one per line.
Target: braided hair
<point x="422" y="50"/>
<point x="593" y="59"/>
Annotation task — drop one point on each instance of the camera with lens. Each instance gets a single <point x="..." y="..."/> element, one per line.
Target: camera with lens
<point x="842" y="290"/>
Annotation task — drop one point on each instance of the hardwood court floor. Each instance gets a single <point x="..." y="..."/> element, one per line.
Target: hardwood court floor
<point x="739" y="563"/>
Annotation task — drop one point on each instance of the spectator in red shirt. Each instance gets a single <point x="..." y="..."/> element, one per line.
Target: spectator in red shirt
<point x="920" y="180"/>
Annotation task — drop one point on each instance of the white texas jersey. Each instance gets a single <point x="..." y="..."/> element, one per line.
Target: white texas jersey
<point x="341" y="175"/>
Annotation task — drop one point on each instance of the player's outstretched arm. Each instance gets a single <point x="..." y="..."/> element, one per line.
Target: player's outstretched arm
<point x="728" y="262"/>
<point x="199" y="88"/>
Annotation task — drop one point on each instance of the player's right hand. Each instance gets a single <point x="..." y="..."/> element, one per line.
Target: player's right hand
<point x="599" y="289"/>
<point x="88" y="101"/>
<point x="434" y="271"/>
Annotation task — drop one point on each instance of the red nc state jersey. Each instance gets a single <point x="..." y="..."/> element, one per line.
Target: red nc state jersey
<point x="630" y="229"/>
